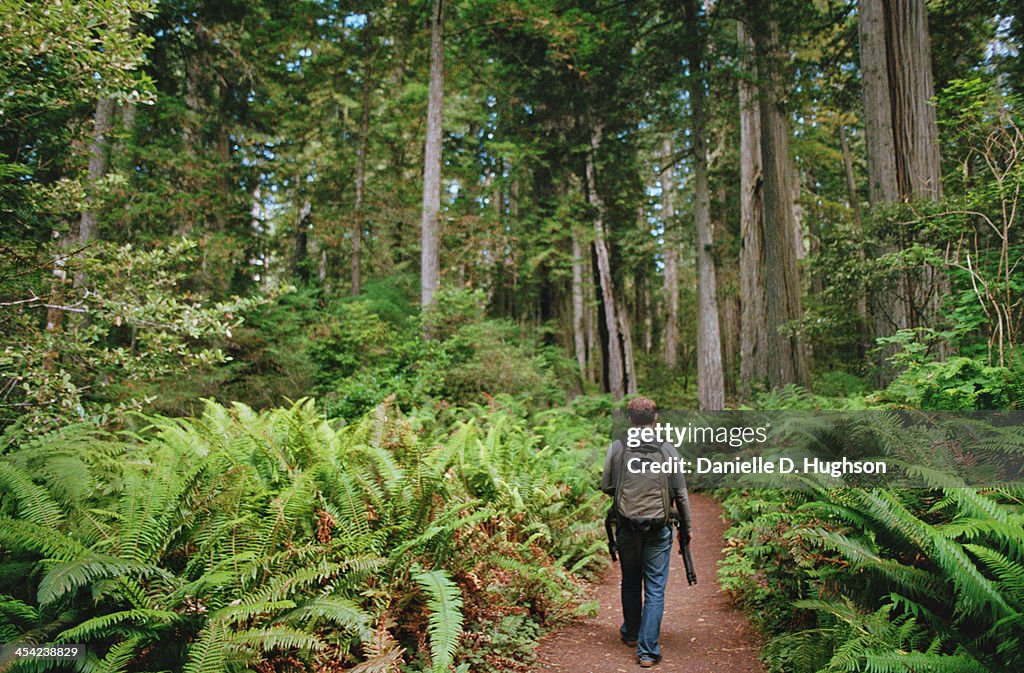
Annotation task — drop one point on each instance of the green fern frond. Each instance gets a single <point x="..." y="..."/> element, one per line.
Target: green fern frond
<point x="445" y="627"/>
<point x="101" y="626"/>
<point x="29" y="536"/>
<point x="921" y="662"/>
<point x="15" y="611"/>
<point x="120" y="655"/>
<point x="335" y="610"/>
<point x="209" y="653"/>
<point x="287" y="585"/>
<point x="1009" y="573"/>
<point x="275" y="638"/>
<point x="34" y="502"/>
<point x="244" y="611"/>
<point x="70" y="576"/>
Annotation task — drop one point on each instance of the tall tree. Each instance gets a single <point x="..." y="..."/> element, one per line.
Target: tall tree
<point x="363" y="137"/>
<point x="710" y="381"/>
<point x="753" y="347"/>
<point x="430" y="243"/>
<point x="670" y="253"/>
<point x="616" y="373"/>
<point x="902" y="133"/>
<point x="578" y="311"/>
<point x="904" y="162"/>
<point x="787" y="359"/>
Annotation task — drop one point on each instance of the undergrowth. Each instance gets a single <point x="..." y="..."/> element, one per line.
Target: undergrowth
<point x="281" y="540"/>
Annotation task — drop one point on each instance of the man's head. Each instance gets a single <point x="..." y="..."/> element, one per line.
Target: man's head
<point x="641" y="411"/>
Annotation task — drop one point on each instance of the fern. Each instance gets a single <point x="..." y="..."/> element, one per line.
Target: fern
<point x="209" y="653"/>
<point x="339" y="611"/>
<point x="34" y="503"/>
<point x="120" y="656"/>
<point x="70" y="576"/>
<point x="445" y="627"/>
<point x="99" y="627"/>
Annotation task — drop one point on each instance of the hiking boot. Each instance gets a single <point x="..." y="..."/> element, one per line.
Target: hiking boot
<point x="627" y="641"/>
<point x="647" y="663"/>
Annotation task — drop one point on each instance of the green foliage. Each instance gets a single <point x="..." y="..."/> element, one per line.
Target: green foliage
<point x="852" y="579"/>
<point x="954" y="383"/>
<point x="445" y="618"/>
<point x="134" y="323"/>
<point x="246" y="539"/>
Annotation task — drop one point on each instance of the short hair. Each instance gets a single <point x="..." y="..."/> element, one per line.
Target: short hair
<point x="641" y="410"/>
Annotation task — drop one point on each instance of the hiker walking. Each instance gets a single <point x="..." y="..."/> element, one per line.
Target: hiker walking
<point x="646" y="504"/>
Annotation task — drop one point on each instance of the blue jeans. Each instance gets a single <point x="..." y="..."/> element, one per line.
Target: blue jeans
<point x="645" y="559"/>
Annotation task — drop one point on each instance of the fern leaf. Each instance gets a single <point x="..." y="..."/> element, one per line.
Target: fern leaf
<point x="445" y="627"/>
<point x="34" y="501"/>
<point x="339" y="611"/>
<point x="120" y="655"/>
<point x="72" y="575"/>
<point x="209" y="654"/>
<point x="100" y="627"/>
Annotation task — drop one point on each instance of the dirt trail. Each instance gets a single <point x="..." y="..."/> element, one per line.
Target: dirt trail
<point x="701" y="632"/>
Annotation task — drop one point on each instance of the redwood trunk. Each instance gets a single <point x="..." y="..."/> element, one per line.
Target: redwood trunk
<point x="710" y="381"/>
<point x="787" y="361"/>
<point x="753" y="333"/>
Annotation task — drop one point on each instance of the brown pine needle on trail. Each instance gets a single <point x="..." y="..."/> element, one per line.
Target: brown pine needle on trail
<point x="701" y="632"/>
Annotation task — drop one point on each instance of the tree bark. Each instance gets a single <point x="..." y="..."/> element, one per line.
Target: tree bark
<point x="97" y="168"/>
<point x="753" y="333"/>
<point x="578" y="333"/>
<point x="851" y="180"/>
<point x="300" y="250"/>
<point x="671" y="257"/>
<point x="882" y="185"/>
<point x="904" y="162"/>
<point x="430" y="246"/>
<point x="98" y="161"/>
<point x="616" y="382"/>
<point x="854" y="201"/>
<point x="358" y="216"/>
<point x="710" y="381"/>
<point x="626" y="329"/>
<point x="590" y="317"/>
<point x="787" y="362"/>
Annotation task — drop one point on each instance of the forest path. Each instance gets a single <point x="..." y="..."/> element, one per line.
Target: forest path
<point x="702" y="632"/>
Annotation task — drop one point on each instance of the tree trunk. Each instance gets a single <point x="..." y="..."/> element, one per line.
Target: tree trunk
<point x="787" y="361"/>
<point x="851" y="180"/>
<point x="902" y="144"/>
<point x="627" y="349"/>
<point x="300" y="250"/>
<point x="854" y="201"/>
<point x="430" y="246"/>
<point x="728" y="297"/>
<point x="590" y="318"/>
<point x="882" y="186"/>
<point x="579" y="336"/>
<point x="753" y="333"/>
<point x="710" y="381"/>
<point x="363" y="140"/>
<point x="671" y="257"/>
<point x="915" y="130"/>
<point x="98" y="160"/>
<point x="616" y="382"/>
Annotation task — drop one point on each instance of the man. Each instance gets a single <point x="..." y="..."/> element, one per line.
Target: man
<point x="644" y="538"/>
